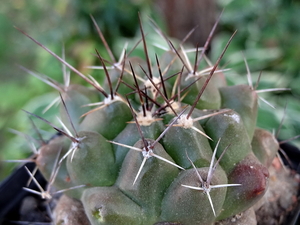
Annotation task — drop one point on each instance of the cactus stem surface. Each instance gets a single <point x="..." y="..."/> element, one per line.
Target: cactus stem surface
<point x="107" y="101"/>
<point x="186" y="122"/>
<point x="206" y="185"/>
<point x="147" y="153"/>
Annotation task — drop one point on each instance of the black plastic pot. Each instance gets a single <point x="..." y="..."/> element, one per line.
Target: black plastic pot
<point x="12" y="192"/>
<point x="293" y="154"/>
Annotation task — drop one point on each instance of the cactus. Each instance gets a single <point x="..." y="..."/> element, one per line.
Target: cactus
<point x="167" y="143"/>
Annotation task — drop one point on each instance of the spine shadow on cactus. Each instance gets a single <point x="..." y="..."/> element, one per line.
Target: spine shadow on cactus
<point x="146" y="152"/>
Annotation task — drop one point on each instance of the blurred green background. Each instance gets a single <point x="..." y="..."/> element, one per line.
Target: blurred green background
<point x="268" y="36"/>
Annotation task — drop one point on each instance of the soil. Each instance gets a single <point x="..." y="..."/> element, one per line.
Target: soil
<point x="282" y="197"/>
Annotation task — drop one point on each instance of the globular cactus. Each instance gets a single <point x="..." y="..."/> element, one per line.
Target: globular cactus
<point x="167" y="143"/>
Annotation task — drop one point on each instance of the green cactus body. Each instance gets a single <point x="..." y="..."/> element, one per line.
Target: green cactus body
<point x="89" y="157"/>
<point x="130" y="136"/>
<point x="109" y="120"/>
<point x="263" y="143"/>
<point x="108" y="205"/>
<point x="149" y="189"/>
<point x="180" y="142"/>
<point x="75" y="97"/>
<point x="179" y="201"/>
<point x="210" y="99"/>
<point x="243" y="100"/>
<point x="230" y="128"/>
<point x="152" y="154"/>
<point x="46" y="163"/>
<point x="254" y="185"/>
